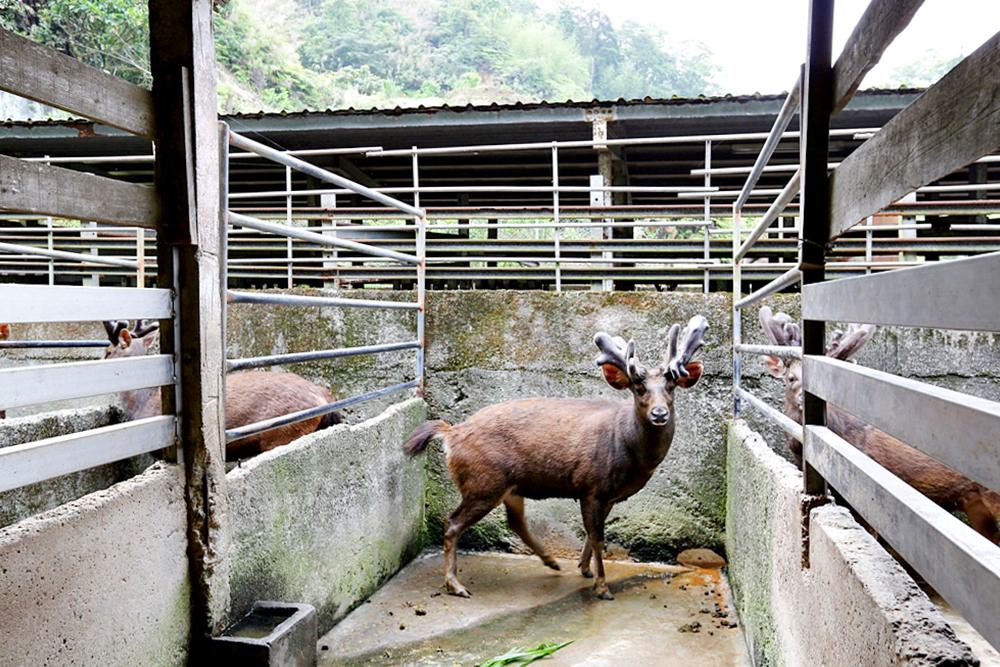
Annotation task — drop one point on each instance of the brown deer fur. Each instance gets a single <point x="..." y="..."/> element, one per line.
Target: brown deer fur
<point x="251" y="396"/>
<point x="946" y="487"/>
<point x="599" y="452"/>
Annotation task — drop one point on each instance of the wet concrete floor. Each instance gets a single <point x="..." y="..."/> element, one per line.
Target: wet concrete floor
<point x="662" y="615"/>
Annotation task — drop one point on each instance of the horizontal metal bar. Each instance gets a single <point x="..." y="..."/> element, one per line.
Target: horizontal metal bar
<point x="321" y="301"/>
<point x="277" y="422"/>
<point x="38" y="461"/>
<point x="31" y="385"/>
<point x="788" y="193"/>
<point x="961" y="565"/>
<point x="319" y="239"/>
<point x="44" y="344"/>
<point x="638" y="141"/>
<point x="61" y="254"/>
<point x="316" y="355"/>
<point x="789" y="108"/>
<point x="787" y="425"/>
<point x="781" y="351"/>
<point x="483" y="188"/>
<point x="51" y="303"/>
<point x="246" y="144"/>
<point x="957" y="429"/>
<point x="956" y="294"/>
<point x="786" y="279"/>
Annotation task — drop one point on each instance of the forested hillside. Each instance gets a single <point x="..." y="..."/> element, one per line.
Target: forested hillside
<point x="280" y="55"/>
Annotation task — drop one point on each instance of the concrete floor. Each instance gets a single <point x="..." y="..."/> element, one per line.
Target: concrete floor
<point x="662" y="615"/>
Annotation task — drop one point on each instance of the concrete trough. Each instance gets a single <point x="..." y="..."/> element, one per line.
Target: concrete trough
<point x="273" y="634"/>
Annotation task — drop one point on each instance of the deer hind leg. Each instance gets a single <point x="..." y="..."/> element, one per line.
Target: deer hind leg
<point x="594" y="514"/>
<point x="469" y="511"/>
<point x="514" y="505"/>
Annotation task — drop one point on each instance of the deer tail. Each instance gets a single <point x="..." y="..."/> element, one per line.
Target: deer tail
<point x="423" y="434"/>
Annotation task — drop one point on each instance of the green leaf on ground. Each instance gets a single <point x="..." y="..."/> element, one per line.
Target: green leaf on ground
<point x="522" y="656"/>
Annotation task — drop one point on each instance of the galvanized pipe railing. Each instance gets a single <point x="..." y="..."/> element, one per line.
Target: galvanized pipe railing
<point x="288" y="231"/>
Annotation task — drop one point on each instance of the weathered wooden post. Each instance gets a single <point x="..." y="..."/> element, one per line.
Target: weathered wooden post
<point x="188" y="253"/>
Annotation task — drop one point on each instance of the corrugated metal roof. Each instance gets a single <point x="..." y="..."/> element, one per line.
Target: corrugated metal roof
<point x="487" y="108"/>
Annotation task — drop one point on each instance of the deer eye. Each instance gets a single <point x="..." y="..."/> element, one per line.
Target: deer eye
<point x="640" y="389"/>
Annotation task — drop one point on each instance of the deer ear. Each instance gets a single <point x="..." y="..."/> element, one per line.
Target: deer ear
<point x="694" y="369"/>
<point x="125" y="338"/>
<point x="774" y="366"/>
<point x="4" y="331"/>
<point x="615" y="376"/>
<point x="150" y="339"/>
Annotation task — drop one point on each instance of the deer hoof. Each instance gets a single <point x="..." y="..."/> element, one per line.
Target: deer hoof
<point x="455" y="588"/>
<point x="586" y="573"/>
<point x="604" y="594"/>
<point x="551" y="562"/>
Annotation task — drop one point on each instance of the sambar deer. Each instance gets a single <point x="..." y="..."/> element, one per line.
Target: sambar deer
<point x="251" y="396"/>
<point x="599" y="452"/>
<point x="946" y="487"/>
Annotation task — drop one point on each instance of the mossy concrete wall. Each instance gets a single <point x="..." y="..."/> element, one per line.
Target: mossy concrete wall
<point x="29" y="500"/>
<point x="489" y="346"/>
<point x="102" y="580"/>
<point x="853" y="605"/>
<point x="328" y="518"/>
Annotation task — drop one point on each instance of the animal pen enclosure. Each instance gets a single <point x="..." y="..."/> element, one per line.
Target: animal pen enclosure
<point x="810" y="585"/>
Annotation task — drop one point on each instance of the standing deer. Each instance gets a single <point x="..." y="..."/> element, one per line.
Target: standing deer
<point x="597" y="451"/>
<point x="949" y="489"/>
<point x="251" y="396"/>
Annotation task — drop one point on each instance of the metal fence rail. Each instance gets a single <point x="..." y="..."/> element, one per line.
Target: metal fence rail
<point x="417" y="260"/>
<point x="957" y="429"/>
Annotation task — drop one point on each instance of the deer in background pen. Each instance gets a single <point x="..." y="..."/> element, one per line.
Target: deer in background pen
<point x="946" y="487"/>
<point x="251" y="396"/>
<point x="599" y="452"/>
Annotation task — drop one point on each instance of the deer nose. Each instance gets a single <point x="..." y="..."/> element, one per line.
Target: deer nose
<point x="659" y="413"/>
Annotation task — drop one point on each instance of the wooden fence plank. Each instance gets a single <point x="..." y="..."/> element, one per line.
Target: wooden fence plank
<point x="41" y="189"/>
<point x="47" y="303"/>
<point x="955" y="122"/>
<point x="957" y="429"/>
<point x="38" y="461"/>
<point x="957" y="294"/>
<point x="47" y="76"/>
<point x="32" y="385"/>
<point x="881" y="23"/>
<point x="962" y="565"/>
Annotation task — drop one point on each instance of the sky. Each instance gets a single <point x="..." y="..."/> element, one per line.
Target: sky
<point x="758" y="44"/>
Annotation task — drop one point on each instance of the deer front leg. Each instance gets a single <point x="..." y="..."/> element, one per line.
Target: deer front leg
<point x="585" y="555"/>
<point x="594" y="513"/>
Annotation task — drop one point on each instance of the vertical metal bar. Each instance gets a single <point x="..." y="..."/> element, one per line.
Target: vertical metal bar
<point x="814" y="197"/>
<point x="868" y="244"/>
<point x="736" y="312"/>
<point x="140" y="257"/>
<point x="707" y="218"/>
<point x="421" y="231"/>
<point x="288" y="221"/>
<point x="555" y="213"/>
<point x="50" y="244"/>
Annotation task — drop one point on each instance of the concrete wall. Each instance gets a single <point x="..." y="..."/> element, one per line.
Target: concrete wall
<point x="29" y="500"/>
<point x="327" y="519"/>
<point x="102" y="580"/>
<point x="853" y="605"/>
